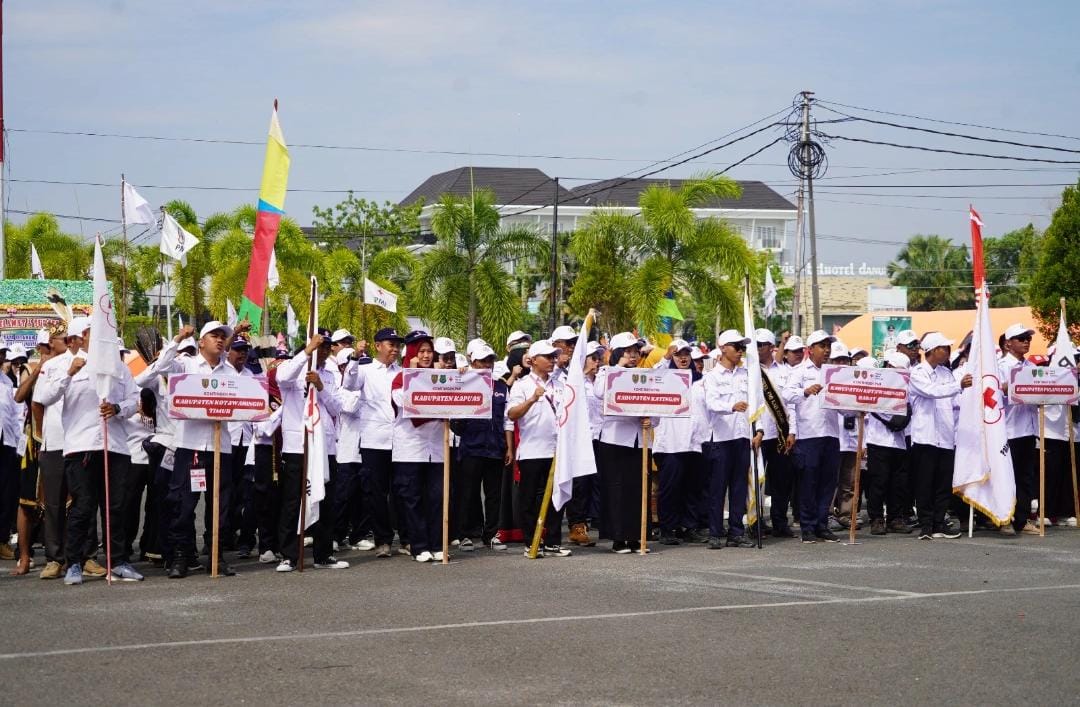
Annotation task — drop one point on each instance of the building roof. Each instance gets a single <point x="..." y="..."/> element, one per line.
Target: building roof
<point x="512" y="185"/>
<point x="623" y="192"/>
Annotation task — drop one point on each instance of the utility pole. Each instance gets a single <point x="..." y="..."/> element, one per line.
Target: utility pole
<point x="796" y="297"/>
<point x="554" y="259"/>
<point x="808" y="167"/>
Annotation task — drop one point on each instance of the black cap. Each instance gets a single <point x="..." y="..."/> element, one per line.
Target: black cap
<point x="388" y="334"/>
<point x="417" y="335"/>
<point x="282" y="355"/>
<point x="325" y="334"/>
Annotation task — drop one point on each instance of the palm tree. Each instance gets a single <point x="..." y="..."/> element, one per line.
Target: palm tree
<point x="462" y="286"/>
<point x="936" y="273"/>
<point x="669" y="249"/>
<point x="390" y="268"/>
<point x="63" y="256"/>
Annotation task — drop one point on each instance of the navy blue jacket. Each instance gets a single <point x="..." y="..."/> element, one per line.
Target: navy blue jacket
<point x="484" y="438"/>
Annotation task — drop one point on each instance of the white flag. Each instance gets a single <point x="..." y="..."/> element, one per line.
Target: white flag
<point x="573" y="447"/>
<point x="35" y="264"/>
<point x="755" y="398"/>
<point x="230" y="313"/>
<point x="136" y="208"/>
<point x="983" y="471"/>
<point x="103" y="355"/>
<point x="292" y="326"/>
<point x="1064" y="351"/>
<point x="373" y="294"/>
<point x="769" y="294"/>
<point x="273" y="279"/>
<point x="175" y="241"/>
<point x="318" y="464"/>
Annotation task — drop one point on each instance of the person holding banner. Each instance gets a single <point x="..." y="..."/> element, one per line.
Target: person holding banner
<point x="776" y="444"/>
<point x="886" y="464"/>
<point x="817" y="453"/>
<point x="1022" y="425"/>
<point x="933" y="435"/>
<point x="533" y="407"/>
<point x="293" y="383"/>
<point x="85" y="453"/>
<point x="727" y="446"/>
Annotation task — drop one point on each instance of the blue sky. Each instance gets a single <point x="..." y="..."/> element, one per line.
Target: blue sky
<point x="626" y="80"/>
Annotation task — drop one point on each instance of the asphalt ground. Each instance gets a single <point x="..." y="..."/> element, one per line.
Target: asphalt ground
<point x="891" y="620"/>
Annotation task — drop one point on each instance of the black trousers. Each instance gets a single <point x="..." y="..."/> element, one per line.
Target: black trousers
<point x="292" y="471"/>
<point x="680" y="487"/>
<point x="9" y="490"/>
<point x="620" y="479"/>
<point x="728" y="464"/>
<point x="267" y="496"/>
<point x="1059" y="482"/>
<point x="54" y="483"/>
<point x="138" y="481"/>
<point x="474" y="474"/>
<point x="780" y="478"/>
<point x="85" y="473"/>
<point x="817" y="461"/>
<point x="346" y="494"/>
<point x="419" y="485"/>
<point x="1025" y="459"/>
<point x="375" y="483"/>
<point x="933" y="469"/>
<point x="886" y="482"/>
<point x="154" y="529"/>
<point x="534" y="476"/>
<point x="183" y="500"/>
<point x="242" y="503"/>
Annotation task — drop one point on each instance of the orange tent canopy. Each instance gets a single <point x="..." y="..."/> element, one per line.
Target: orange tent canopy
<point x="954" y="324"/>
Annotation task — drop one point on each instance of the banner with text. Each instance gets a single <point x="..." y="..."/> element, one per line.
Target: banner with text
<point x="1043" y="385"/>
<point x="882" y="390"/>
<point x="645" y="392"/>
<point x="221" y="398"/>
<point x="431" y="392"/>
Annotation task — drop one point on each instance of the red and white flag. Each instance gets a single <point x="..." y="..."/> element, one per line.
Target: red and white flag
<point x="573" y="448"/>
<point x="977" y="248"/>
<point x="318" y="464"/>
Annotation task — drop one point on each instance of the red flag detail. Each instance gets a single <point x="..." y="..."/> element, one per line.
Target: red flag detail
<point x="977" y="248"/>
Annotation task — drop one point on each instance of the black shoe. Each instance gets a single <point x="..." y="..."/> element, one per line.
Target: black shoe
<point x="194" y="564"/>
<point x="784" y="532"/>
<point x="877" y="527"/>
<point x="899" y="526"/>
<point x="669" y="539"/>
<point x="696" y="536"/>
<point x="827" y="535"/>
<point x="716" y="543"/>
<point x="179" y="569"/>
<point x="808" y="538"/>
<point x="243" y="553"/>
<point x="740" y="541"/>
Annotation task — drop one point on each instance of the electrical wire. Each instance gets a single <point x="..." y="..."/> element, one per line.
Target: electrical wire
<point x="942" y="150"/>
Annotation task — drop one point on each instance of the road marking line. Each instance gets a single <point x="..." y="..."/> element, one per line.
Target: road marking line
<point x="813" y="583"/>
<point x="514" y="622"/>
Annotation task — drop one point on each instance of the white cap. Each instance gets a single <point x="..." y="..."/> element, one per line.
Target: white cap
<point x="480" y="352"/>
<point x="623" y="340"/>
<point x="896" y="360"/>
<point x="764" y="336"/>
<point x="935" y="339"/>
<point x="473" y="345"/>
<point x="340" y="335"/>
<point x="517" y="337"/>
<point x="214" y="326"/>
<point x="731" y="336"/>
<point x="43" y="337"/>
<point x="714" y="354"/>
<point x="794" y="343"/>
<point x="563" y="333"/>
<point x="819" y="336"/>
<point x="1017" y="330"/>
<point x="907" y="337"/>
<point x="695" y="354"/>
<point x="343" y="356"/>
<point x="869" y="362"/>
<point x="541" y="348"/>
<point x="680" y="344"/>
<point x="592" y="347"/>
<point x="858" y="350"/>
<point x="188" y="343"/>
<point x="78" y="326"/>
<point x="838" y="350"/>
<point x="460" y="361"/>
<point x="499" y="369"/>
<point x="16" y="350"/>
<point x="444" y="345"/>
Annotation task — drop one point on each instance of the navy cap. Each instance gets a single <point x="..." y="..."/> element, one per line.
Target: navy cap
<point x="388" y="334"/>
<point x="282" y="355"/>
<point x="417" y="335"/>
<point x="325" y="334"/>
<point x="240" y="343"/>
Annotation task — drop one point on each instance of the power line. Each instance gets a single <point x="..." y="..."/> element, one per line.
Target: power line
<point x="945" y="151"/>
<point x="206" y="188"/>
<point x="927" y="208"/>
<point x="934" y="196"/>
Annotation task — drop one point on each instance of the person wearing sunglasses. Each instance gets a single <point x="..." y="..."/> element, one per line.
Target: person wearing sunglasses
<point x="907" y="343"/>
<point x="1022" y="425"/>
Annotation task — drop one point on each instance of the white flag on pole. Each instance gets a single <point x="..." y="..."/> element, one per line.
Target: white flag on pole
<point x="1064" y="351"/>
<point x="273" y="279"/>
<point x="175" y="241"/>
<point x="755" y="398"/>
<point x="318" y="464"/>
<point x="292" y="326"/>
<point x="573" y="447"/>
<point x="103" y="355"/>
<point x="983" y="471"/>
<point x="35" y="264"/>
<point x="136" y="208"/>
<point x="769" y="294"/>
<point x="230" y="313"/>
<point x="373" y="294"/>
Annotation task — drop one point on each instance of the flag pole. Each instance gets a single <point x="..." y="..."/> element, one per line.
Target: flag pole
<point x="215" y="534"/>
<point x="446" y="493"/>
<point x="303" y="507"/>
<point x="757" y="485"/>
<point x="855" y="490"/>
<point x="312" y="329"/>
<point x="108" y="513"/>
<point x="123" y="273"/>
<point x="1072" y="462"/>
<point x="644" y="487"/>
<point x="1042" y="470"/>
<point x="534" y="549"/>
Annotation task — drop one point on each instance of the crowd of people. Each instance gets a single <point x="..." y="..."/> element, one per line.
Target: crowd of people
<point x="81" y="468"/>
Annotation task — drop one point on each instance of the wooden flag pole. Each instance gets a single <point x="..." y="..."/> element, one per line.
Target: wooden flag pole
<point x="538" y="533"/>
<point x="855" y="490"/>
<point x="303" y="507"/>
<point x="215" y="534"/>
<point x="644" y="487"/>
<point x="1042" y="470"/>
<point x="446" y="493"/>
<point x="1072" y="462"/>
<point x="108" y="514"/>
<point x="758" y="510"/>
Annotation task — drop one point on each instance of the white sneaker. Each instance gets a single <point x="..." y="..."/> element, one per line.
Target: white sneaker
<point x="437" y="556"/>
<point x="425" y="556"/>
<point x="539" y="552"/>
<point x="267" y="557"/>
<point x="308" y="541"/>
<point x="1071" y="522"/>
<point x="364" y="545"/>
<point x="466" y="545"/>
<point x="332" y="564"/>
<point x="455" y="542"/>
<point x="285" y="566"/>
<point x="557" y="551"/>
<point x="497" y="544"/>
